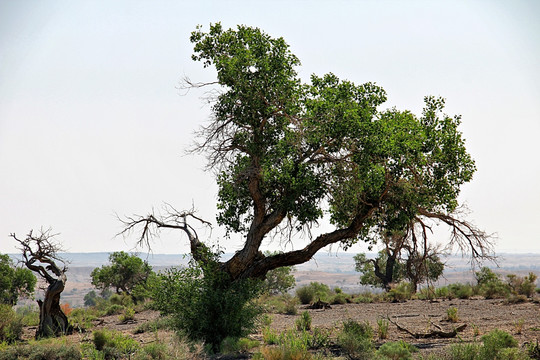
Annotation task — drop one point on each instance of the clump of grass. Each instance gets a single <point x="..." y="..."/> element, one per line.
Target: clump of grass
<point x="382" y="328"/>
<point x="303" y="323"/>
<point x="452" y="314"/>
<point x="518" y="326"/>
<point x="396" y="350"/>
<point x="234" y="345"/>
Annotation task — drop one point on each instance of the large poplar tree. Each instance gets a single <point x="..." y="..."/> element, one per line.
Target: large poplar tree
<point x="287" y="154"/>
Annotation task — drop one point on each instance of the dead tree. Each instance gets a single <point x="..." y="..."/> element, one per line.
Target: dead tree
<point x="40" y="254"/>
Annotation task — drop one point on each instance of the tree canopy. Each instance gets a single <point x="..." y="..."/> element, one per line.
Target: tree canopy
<point x="15" y="282"/>
<point x="124" y="273"/>
<point x="287" y="154"/>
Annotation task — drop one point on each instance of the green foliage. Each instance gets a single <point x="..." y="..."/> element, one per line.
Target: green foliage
<point x="398" y="350"/>
<point x="205" y="304"/>
<point x="313" y="292"/>
<point x="367" y="268"/>
<point x="382" y="328"/>
<point x="114" y="344"/>
<point x="452" y="314"/>
<point x="10" y="324"/>
<point x="15" y="282"/>
<point x="495" y="341"/>
<point x="50" y="349"/>
<point x="280" y="304"/>
<point x="522" y="285"/>
<point x="460" y="291"/>
<point x="29" y="315"/>
<point x="303" y="323"/>
<point x="126" y="274"/>
<point x="320" y="144"/>
<point x="154" y="325"/>
<point x="234" y="345"/>
<point x="280" y="280"/>
<point x="128" y="315"/>
<point x="490" y="285"/>
<point x="356" y="340"/>
<point x="401" y="292"/>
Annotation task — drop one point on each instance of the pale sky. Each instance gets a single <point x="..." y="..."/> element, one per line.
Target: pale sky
<point x="92" y="123"/>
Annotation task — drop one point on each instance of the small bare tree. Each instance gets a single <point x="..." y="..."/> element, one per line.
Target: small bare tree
<point x="40" y="254"/>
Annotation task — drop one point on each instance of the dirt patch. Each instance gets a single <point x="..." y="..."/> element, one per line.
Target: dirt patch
<point x="480" y="315"/>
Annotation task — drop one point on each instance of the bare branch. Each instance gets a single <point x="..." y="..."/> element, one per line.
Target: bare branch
<point x="172" y="219"/>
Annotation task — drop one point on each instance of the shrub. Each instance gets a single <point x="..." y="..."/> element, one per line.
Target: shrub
<point x="401" y="292"/>
<point x="490" y="285"/>
<point x="382" y="328"/>
<point x="313" y="292"/>
<point x="399" y="350"/>
<point x="114" y="344"/>
<point x="494" y="342"/>
<point x="269" y="336"/>
<point x="461" y="291"/>
<point x="452" y="314"/>
<point x="233" y="345"/>
<point x="356" y="339"/>
<point x="128" y="315"/>
<point x="29" y="315"/>
<point x="10" y="324"/>
<point x="339" y="298"/>
<point x="49" y="349"/>
<point x="66" y="308"/>
<point x="522" y="285"/>
<point x="152" y="351"/>
<point x="303" y="323"/>
<point x="464" y="351"/>
<point x="154" y="325"/>
<point x="206" y="305"/>
<point x="443" y="292"/>
<point x="114" y="309"/>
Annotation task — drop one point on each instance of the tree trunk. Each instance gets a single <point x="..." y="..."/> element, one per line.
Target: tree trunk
<point x="52" y="320"/>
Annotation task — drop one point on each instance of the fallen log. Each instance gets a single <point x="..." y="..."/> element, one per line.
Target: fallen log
<point x="432" y="333"/>
<point x="319" y="305"/>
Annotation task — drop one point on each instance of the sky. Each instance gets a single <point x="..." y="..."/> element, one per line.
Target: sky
<point x="93" y="124"/>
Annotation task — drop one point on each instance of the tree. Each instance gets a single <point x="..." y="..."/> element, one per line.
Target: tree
<point x="287" y="154"/>
<point x="124" y="273"/>
<point x="15" y="282"/>
<point x="404" y="256"/>
<point x="40" y="254"/>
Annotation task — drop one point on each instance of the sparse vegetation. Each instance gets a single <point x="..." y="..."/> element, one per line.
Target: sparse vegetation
<point x="452" y="314"/>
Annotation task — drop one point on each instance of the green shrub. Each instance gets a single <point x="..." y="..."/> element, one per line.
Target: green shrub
<point x="452" y="314"/>
<point x="128" y="315"/>
<point x="444" y="293"/>
<point x="340" y="298"/>
<point x="29" y="315"/>
<point x="356" y="340"/>
<point x="399" y="350"/>
<point x="464" y="351"/>
<point x="234" y="345"/>
<point x="10" y="324"/>
<point x="269" y="336"/>
<point x="401" y="292"/>
<point x="154" y="325"/>
<point x="313" y="292"/>
<point x="114" y="344"/>
<point x="490" y="285"/>
<point x="522" y="285"/>
<point x="48" y="349"/>
<point x="461" y="291"/>
<point x="494" y="342"/>
<point x="364" y="298"/>
<point x="382" y="328"/>
<point x="152" y="351"/>
<point x="114" y="309"/>
<point x="206" y="305"/>
<point x="303" y="323"/>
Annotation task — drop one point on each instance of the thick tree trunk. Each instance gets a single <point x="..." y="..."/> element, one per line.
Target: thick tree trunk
<point x="52" y="320"/>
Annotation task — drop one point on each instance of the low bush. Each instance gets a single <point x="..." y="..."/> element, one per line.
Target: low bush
<point x="401" y="292"/>
<point x="399" y="350"/>
<point x="461" y="291"/>
<point x="234" y="345"/>
<point x="160" y="323"/>
<point x="29" y="315"/>
<point x="11" y="325"/>
<point x="128" y="315"/>
<point x="356" y="340"/>
<point x="303" y="323"/>
<point x="47" y="349"/>
<point x="114" y="309"/>
<point x="522" y="285"/>
<point x="452" y="314"/>
<point x="313" y="292"/>
<point x="114" y="344"/>
<point x="495" y="341"/>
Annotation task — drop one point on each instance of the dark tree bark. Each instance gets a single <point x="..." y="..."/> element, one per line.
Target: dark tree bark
<point x="40" y="255"/>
